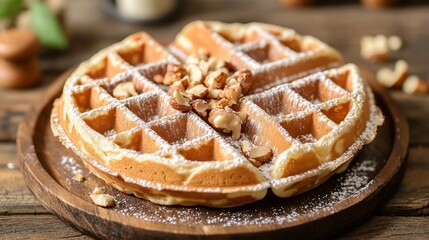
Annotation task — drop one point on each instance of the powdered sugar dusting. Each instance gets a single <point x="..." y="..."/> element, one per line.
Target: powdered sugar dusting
<point x="70" y="165"/>
<point x="355" y="181"/>
<point x="162" y="128"/>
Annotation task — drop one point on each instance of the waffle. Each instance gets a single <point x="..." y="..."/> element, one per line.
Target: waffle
<point x="313" y="117"/>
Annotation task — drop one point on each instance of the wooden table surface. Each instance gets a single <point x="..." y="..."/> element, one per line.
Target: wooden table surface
<point x="404" y="216"/>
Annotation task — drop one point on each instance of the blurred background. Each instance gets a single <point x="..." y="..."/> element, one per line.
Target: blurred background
<point x="92" y="25"/>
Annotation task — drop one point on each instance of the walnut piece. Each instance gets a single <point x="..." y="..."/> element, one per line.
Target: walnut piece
<point x="259" y="154"/>
<point x="201" y="107"/>
<point x="174" y="73"/>
<point x="199" y="91"/>
<point x="377" y="48"/>
<point x="232" y="91"/>
<point x="415" y="85"/>
<point x="393" y="78"/>
<point x="215" y="80"/>
<point x="78" y="177"/>
<point x="180" y="102"/>
<point x="102" y="199"/>
<point x="245" y="79"/>
<point x="202" y="84"/>
<point x="226" y="120"/>
<point x="124" y="90"/>
<point x="195" y="73"/>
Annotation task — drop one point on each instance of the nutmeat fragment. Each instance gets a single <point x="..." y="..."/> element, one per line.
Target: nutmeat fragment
<point x="415" y="85"/>
<point x="102" y="199"/>
<point x="226" y="120"/>
<point x="254" y="153"/>
<point x="393" y="78"/>
<point x="124" y="90"/>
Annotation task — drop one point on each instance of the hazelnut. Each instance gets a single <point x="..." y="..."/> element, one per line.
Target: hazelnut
<point x="260" y="153"/>
<point x="215" y="64"/>
<point x="222" y="103"/>
<point x="255" y="162"/>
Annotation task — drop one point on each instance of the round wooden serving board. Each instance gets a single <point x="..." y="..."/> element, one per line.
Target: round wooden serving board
<point x="332" y="207"/>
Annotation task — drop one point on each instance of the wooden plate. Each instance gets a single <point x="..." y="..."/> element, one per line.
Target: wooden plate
<point x="341" y="201"/>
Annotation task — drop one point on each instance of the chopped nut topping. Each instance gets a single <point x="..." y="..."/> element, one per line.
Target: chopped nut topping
<point x="214" y="93"/>
<point x="222" y="103"/>
<point x="195" y="73"/>
<point x="178" y="86"/>
<point x="174" y="73"/>
<point x="199" y="91"/>
<point x="215" y="79"/>
<point x="102" y="199"/>
<point x="393" y="78"/>
<point x="78" y="177"/>
<point x="202" y="84"/>
<point x="124" y="90"/>
<point x="415" y="85"/>
<point x="158" y="78"/>
<point x="255" y="162"/>
<point x="232" y="91"/>
<point x="226" y="120"/>
<point x="179" y="102"/>
<point x="204" y="67"/>
<point x="255" y="153"/>
<point x="374" y="48"/>
<point x="201" y="107"/>
<point x="394" y="42"/>
<point x="377" y="48"/>
<point x="245" y="78"/>
<point x="260" y="153"/>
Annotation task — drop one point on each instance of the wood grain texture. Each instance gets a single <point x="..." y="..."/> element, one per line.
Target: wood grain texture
<point x="49" y="225"/>
<point x="340" y="25"/>
<point x="412" y="197"/>
<point x="15" y="197"/>
<point x="377" y="227"/>
<point x="388" y="227"/>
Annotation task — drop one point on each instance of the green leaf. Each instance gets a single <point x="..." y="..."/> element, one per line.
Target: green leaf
<point x="9" y="8"/>
<point x="47" y="27"/>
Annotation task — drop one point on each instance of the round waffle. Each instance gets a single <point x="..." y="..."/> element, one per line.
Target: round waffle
<point x="314" y="120"/>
